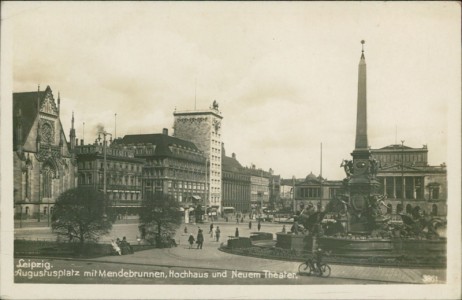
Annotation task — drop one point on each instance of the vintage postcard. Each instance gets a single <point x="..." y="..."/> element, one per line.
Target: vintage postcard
<point x="230" y="150"/>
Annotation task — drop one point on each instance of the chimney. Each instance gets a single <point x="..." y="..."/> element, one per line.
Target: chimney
<point x="234" y="155"/>
<point x="165" y="131"/>
<point x="81" y="142"/>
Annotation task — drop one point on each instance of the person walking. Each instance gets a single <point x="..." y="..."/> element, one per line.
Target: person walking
<point x="259" y="225"/>
<point x="200" y="239"/>
<point x="250" y="224"/>
<point x="283" y="228"/>
<point x="236" y="234"/>
<point x="191" y="240"/>
<point x="217" y="233"/>
<point x="211" y="229"/>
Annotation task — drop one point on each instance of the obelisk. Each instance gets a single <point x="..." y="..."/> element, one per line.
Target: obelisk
<point x="362" y="184"/>
<point x="361" y="115"/>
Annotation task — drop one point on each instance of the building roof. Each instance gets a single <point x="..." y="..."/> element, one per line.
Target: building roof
<point x="161" y="141"/>
<point x="27" y="103"/>
<point x="398" y="146"/>
<point x="230" y="164"/>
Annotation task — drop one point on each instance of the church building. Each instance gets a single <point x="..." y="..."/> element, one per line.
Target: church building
<point x="44" y="165"/>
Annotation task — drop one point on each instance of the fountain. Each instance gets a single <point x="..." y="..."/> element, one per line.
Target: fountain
<point x="361" y="229"/>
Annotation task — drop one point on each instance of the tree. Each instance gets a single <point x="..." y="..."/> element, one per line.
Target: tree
<point x="78" y="215"/>
<point x="160" y="218"/>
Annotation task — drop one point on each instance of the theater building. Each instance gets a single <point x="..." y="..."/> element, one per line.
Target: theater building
<point x="44" y="165"/>
<point x="408" y="181"/>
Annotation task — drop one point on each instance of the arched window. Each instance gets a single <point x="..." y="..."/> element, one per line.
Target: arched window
<point x="47" y="178"/>
<point x="399" y="208"/>
<point x="434" y="210"/>
<point x="27" y="210"/>
<point x="408" y="209"/>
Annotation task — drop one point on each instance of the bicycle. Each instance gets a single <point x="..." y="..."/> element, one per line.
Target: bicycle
<point x="308" y="268"/>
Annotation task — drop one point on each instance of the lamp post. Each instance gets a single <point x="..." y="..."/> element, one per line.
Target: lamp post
<point x="402" y="175"/>
<point x="261" y="196"/>
<point x="104" y="133"/>
<point x="293" y="193"/>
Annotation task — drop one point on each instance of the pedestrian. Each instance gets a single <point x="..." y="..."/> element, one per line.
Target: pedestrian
<point x="217" y="233"/>
<point x="185" y="229"/>
<point x="191" y="240"/>
<point x="259" y="225"/>
<point x="250" y="224"/>
<point x="116" y="248"/>
<point x="283" y="228"/>
<point x="236" y="234"/>
<point x="200" y="239"/>
<point x="237" y="220"/>
<point x="242" y="220"/>
<point x="211" y="230"/>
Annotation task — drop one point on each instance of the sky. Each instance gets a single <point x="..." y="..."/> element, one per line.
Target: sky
<point x="284" y="73"/>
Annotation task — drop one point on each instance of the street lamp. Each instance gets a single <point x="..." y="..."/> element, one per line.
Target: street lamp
<point x="104" y="133"/>
<point x="293" y="193"/>
<point x="261" y="196"/>
<point x="402" y="175"/>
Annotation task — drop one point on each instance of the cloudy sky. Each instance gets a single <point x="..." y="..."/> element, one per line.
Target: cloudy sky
<point x="284" y="74"/>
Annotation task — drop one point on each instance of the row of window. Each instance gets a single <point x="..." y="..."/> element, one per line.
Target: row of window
<point x="186" y="185"/>
<point x="123" y="196"/>
<point x="110" y="179"/>
<point x="110" y="166"/>
<point x="309" y="192"/>
<point x="398" y="157"/>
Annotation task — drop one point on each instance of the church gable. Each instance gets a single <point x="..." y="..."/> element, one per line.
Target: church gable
<point x="47" y="103"/>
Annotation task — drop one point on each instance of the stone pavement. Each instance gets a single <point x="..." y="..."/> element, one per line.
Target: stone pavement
<point x="210" y="257"/>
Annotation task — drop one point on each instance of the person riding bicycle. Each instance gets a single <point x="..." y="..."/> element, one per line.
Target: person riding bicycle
<point x="318" y="255"/>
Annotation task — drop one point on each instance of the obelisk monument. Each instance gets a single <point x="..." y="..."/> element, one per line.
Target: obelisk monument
<point x="362" y="184"/>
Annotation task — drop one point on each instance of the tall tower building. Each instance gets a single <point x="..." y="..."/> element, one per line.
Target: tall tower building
<point x="203" y="128"/>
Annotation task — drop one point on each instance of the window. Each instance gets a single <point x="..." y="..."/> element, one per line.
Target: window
<point x="434" y="193"/>
<point x="47" y="177"/>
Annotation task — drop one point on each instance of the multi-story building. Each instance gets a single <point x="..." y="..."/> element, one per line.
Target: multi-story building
<point x="317" y="191"/>
<point x="259" y="188"/>
<point x="203" y="128"/>
<point x="408" y="181"/>
<point x="236" y="185"/>
<point x="172" y="166"/>
<point x="43" y="161"/>
<point x="123" y="174"/>
<point x="274" y="189"/>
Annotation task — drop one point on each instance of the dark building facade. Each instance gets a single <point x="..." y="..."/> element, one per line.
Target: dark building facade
<point x="123" y="174"/>
<point x="172" y="166"/>
<point x="44" y="165"/>
<point x="236" y="184"/>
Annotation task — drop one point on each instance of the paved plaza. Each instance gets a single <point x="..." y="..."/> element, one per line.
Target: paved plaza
<point x="210" y="258"/>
